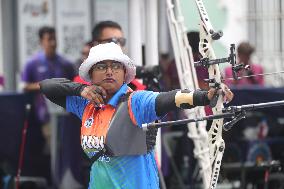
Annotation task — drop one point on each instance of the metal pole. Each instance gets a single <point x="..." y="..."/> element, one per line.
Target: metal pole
<point x="152" y="54"/>
<point x="163" y="30"/>
<point x="135" y="39"/>
<point x="10" y="50"/>
<point x="152" y="58"/>
<point x="1" y="46"/>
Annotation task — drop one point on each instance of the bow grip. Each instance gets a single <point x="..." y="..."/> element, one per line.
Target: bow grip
<point x="214" y="100"/>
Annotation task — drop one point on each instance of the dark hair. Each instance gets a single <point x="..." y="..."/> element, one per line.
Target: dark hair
<point x="245" y="48"/>
<point x="97" y="30"/>
<point x="45" y="29"/>
<point x="193" y="39"/>
<point x="89" y="43"/>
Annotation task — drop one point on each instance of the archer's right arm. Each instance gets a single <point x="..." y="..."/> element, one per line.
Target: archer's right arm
<point x="57" y="89"/>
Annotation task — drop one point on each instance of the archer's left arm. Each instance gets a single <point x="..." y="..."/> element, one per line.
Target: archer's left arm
<point x="186" y="99"/>
<point x="148" y="106"/>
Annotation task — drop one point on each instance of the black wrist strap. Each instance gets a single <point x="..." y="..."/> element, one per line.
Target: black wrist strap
<point x="200" y="98"/>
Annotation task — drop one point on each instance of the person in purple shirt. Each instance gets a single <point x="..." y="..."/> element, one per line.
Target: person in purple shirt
<point x="245" y="50"/>
<point x="44" y="65"/>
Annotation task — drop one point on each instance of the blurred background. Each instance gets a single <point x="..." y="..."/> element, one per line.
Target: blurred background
<point x="51" y="157"/>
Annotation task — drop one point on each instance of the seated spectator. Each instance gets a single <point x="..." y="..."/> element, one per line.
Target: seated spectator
<point x="245" y="50"/>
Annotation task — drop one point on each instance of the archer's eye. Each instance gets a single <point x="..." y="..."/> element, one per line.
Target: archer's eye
<point x="100" y="67"/>
<point x="116" y="66"/>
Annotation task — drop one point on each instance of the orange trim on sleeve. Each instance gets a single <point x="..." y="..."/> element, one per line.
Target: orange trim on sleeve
<point x="131" y="115"/>
<point x="129" y="90"/>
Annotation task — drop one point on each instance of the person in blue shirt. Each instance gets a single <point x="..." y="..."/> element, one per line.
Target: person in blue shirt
<point x="112" y="116"/>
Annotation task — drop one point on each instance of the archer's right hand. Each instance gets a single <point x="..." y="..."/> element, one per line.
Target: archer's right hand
<point x="94" y="94"/>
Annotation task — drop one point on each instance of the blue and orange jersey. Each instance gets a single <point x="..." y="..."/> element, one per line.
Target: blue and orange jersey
<point x="139" y="171"/>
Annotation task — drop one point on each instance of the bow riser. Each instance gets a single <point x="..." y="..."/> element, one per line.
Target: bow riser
<point x="216" y="143"/>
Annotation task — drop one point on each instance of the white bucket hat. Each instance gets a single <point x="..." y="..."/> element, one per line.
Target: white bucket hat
<point x="107" y="51"/>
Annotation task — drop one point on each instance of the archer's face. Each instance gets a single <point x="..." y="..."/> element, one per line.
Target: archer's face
<point x="108" y="74"/>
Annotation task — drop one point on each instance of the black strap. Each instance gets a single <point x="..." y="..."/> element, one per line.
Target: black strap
<point x="104" y="150"/>
<point x="124" y="138"/>
<point x="98" y="155"/>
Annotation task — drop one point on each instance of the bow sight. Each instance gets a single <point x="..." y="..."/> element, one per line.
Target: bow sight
<point x="205" y="62"/>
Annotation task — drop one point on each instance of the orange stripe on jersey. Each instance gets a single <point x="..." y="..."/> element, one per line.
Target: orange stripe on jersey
<point x="131" y="115"/>
<point x="95" y="124"/>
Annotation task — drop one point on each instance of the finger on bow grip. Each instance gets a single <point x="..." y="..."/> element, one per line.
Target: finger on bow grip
<point x="214" y="100"/>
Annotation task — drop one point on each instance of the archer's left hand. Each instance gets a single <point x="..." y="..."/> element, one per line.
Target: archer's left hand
<point x="227" y="94"/>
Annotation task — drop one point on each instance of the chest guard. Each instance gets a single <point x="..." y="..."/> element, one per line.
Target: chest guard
<point x="124" y="138"/>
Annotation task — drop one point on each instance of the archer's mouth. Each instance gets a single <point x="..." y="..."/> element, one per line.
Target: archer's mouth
<point x="109" y="80"/>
